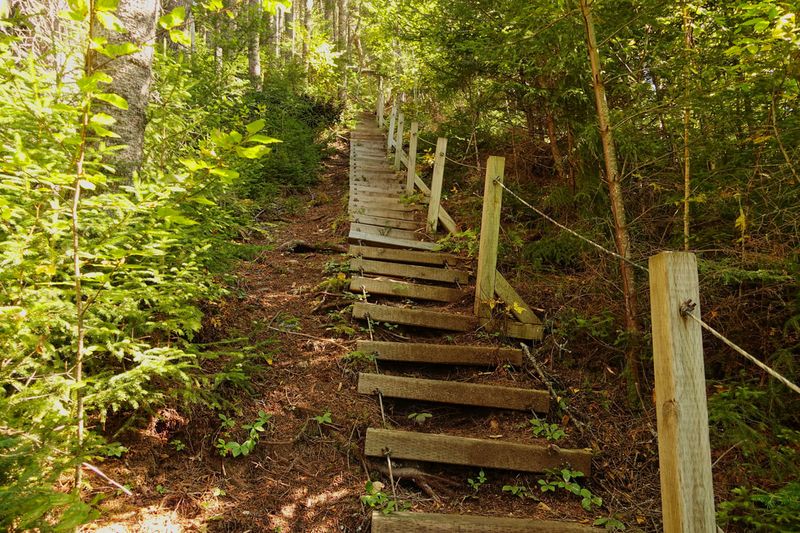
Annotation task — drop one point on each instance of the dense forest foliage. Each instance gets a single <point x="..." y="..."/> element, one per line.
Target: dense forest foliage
<point x="141" y="142"/>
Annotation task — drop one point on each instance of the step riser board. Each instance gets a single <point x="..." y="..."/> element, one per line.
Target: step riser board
<point x="356" y="237"/>
<point x="383" y="221"/>
<point x="387" y="232"/>
<point x="386" y="213"/>
<point x="444" y="275"/>
<point x="401" y="289"/>
<point x="415" y="317"/>
<point x="454" y="392"/>
<point x="465" y="451"/>
<point x="443" y="354"/>
<point x="405" y="522"/>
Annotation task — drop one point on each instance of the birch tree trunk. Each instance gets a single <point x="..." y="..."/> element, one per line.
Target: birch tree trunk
<point x="254" y="44"/>
<point x="621" y="234"/>
<point x="132" y="76"/>
<point x="307" y="24"/>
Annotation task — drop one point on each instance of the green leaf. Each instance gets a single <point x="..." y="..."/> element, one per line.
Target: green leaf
<point x="256" y="126"/>
<point x="106" y="5"/>
<point x="102" y="119"/>
<point x="225" y="173"/>
<point x="263" y="139"/>
<point x="114" y="51"/>
<point x="113" y="99"/>
<point x="252" y="152"/>
<point x="110" y="21"/>
<point x="215" y="6"/>
<point x="173" y="19"/>
<point x="86" y="184"/>
<point x="180" y="37"/>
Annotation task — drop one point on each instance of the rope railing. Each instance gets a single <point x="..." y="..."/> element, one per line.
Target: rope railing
<point x="686" y="312"/>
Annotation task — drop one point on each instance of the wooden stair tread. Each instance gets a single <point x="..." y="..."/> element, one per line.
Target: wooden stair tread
<point x="415" y="317"/>
<point x="359" y="237"/>
<point x="466" y="451"/>
<point x="447" y="354"/>
<point x="387" y="222"/>
<point x="427" y="273"/>
<point x="402" y="289"/>
<point x="404" y="256"/>
<point x="454" y="392"/>
<point x="404" y="522"/>
<point x="383" y="231"/>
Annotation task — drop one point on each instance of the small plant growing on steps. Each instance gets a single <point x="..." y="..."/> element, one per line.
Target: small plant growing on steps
<point x="551" y="432"/>
<point x="420" y="418"/>
<point x="520" y="491"/>
<point x="566" y="479"/>
<point x="375" y="498"/>
<point x="477" y="482"/>
<point x="611" y="523"/>
<point x="236" y="449"/>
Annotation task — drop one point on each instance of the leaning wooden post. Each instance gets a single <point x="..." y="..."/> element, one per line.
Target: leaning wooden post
<point x="490" y="236"/>
<point x="398" y="143"/>
<point x="436" y="184"/>
<point x="412" y="158"/>
<point x="684" y="451"/>
<point x="392" y="119"/>
<point x="381" y="103"/>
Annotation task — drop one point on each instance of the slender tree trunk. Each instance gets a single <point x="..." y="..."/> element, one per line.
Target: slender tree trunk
<point x="307" y="23"/>
<point x="278" y="33"/>
<point x="687" y="180"/>
<point x="555" y="151"/>
<point x="132" y="75"/>
<point x="254" y="45"/>
<point x="621" y="234"/>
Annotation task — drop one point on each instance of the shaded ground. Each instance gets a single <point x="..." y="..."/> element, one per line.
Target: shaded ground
<point x="308" y="476"/>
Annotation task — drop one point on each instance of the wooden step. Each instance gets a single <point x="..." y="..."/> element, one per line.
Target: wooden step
<point x="387" y="222"/>
<point x="442" y="354"/>
<point x="402" y="289"/>
<point x="377" y="202"/>
<point x="466" y="451"/>
<point x="384" y="231"/>
<point x="415" y="317"/>
<point x="404" y="256"/>
<point x="454" y="392"/>
<point x="445" y="275"/>
<point x="357" y="237"/>
<point x="405" y="522"/>
<point x="381" y="212"/>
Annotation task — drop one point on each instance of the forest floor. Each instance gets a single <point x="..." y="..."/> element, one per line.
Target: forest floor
<point x="304" y="475"/>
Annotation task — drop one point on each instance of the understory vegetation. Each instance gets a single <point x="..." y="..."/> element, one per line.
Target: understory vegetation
<point x="128" y="194"/>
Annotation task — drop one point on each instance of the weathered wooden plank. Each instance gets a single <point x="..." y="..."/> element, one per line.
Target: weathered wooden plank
<point x="436" y="184"/>
<point x="446" y="275"/>
<point x="490" y="234"/>
<point x="521" y="310"/>
<point x="684" y="451"/>
<point x="365" y="194"/>
<point x="392" y="121"/>
<point x="398" y="142"/>
<point x="384" y="231"/>
<point x="405" y="522"/>
<point x="402" y="289"/>
<point x="378" y="202"/>
<point x="384" y="221"/>
<point x="441" y="354"/>
<point x="454" y="392"/>
<point x="411" y="160"/>
<point x="512" y="328"/>
<point x="405" y="256"/>
<point x="358" y="237"/>
<point x="357" y="210"/>
<point x="415" y="317"/>
<point x="466" y="451"/>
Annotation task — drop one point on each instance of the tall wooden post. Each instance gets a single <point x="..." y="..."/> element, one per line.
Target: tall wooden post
<point x="392" y="119"/>
<point x="436" y="184"/>
<point x="684" y="451"/>
<point x="490" y="236"/>
<point x="412" y="157"/>
<point x="398" y="142"/>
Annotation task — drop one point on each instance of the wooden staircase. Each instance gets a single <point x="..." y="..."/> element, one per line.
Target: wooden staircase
<point x="392" y="258"/>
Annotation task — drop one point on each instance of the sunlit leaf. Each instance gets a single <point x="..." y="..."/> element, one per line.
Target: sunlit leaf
<point x="181" y="37"/>
<point x="256" y="126"/>
<point x="112" y="99"/>
<point x="252" y="152"/>
<point x="110" y="21"/>
<point x="173" y="19"/>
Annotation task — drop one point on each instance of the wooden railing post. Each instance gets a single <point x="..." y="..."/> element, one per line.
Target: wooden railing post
<point x="436" y="184"/>
<point x="398" y="143"/>
<point x="412" y="157"/>
<point x="684" y="451"/>
<point x="490" y="236"/>
<point x="392" y="120"/>
<point x="381" y="103"/>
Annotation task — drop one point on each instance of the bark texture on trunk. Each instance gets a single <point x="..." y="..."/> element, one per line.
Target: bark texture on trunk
<point x="621" y="234"/>
<point x="254" y="45"/>
<point x="132" y="76"/>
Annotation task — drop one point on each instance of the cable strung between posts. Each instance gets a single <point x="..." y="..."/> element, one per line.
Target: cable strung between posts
<point x="449" y="159"/>
<point x="685" y="310"/>
<point x="571" y="232"/>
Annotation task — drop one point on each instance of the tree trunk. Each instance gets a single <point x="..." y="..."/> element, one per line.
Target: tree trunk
<point x="555" y="151"/>
<point x="308" y="24"/>
<point x="132" y="75"/>
<point x="621" y="234"/>
<point x="687" y="181"/>
<point x="278" y="33"/>
<point x="254" y="44"/>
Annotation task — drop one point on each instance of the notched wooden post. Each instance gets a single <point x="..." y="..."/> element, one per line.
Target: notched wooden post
<point x="381" y="103"/>
<point x="398" y="143"/>
<point x="392" y="120"/>
<point x="490" y="235"/>
<point x="436" y="184"/>
<point x="412" y="157"/>
<point x="684" y="450"/>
